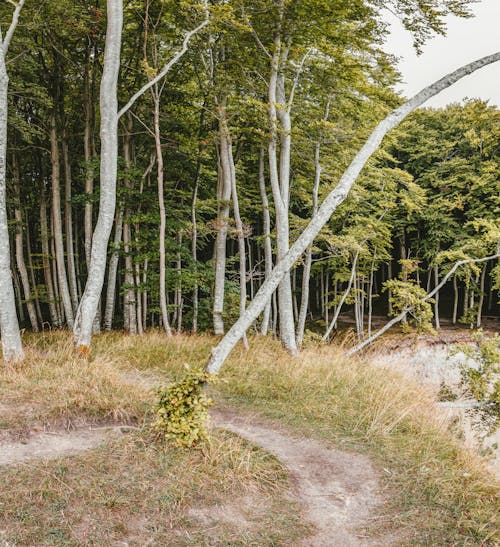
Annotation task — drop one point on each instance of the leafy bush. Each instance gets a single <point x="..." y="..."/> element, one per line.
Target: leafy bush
<point x="182" y="408"/>
<point x="482" y="381"/>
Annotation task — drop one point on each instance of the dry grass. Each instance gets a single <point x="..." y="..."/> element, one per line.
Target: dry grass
<point x="129" y="492"/>
<point x="54" y="388"/>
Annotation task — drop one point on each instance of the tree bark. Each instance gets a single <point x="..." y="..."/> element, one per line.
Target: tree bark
<point x="21" y="264"/>
<point x="108" y="171"/>
<point x="9" y="327"/>
<point x="266" y="223"/>
<point x="112" y="271"/>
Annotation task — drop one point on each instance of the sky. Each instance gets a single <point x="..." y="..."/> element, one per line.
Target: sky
<point x="465" y="41"/>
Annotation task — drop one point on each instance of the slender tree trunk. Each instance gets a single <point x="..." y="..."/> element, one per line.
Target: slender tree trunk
<point x="57" y="224"/>
<point x="161" y="203"/>
<point x="46" y="256"/>
<point x="223" y="197"/>
<point x="343" y="298"/>
<point x="129" y="294"/>
<point x="455" y="300"/>
<point x="436" y="299"/>
<point x="89" y="171"/>
<point x="112" y="271"/>
<point x="481" y="297"/>
<point x="228" y="163"/>
<point x="306" y="275"/>
<point x="266" y="223"/>
<point x="31" y="270"/>
<point x="21" y="264"/>
<point x="109" y="158"/>
<point x="68" y="218"/>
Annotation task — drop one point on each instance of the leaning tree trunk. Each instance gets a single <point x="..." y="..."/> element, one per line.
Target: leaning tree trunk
<point x="109" y="159"/>
<point x="9" y="327"/>
<point x="329" y="205"/>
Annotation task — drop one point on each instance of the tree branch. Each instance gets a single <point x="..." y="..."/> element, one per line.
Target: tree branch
<point x="13" y="25"/>
<point x="428" y="296"/>
<point x="167" y="67"/>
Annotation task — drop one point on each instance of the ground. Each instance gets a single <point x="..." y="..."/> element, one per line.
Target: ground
<point x="304" y="452"/>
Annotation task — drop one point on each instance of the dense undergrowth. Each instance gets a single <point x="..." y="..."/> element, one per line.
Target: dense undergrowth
<point x="437" y="492"/>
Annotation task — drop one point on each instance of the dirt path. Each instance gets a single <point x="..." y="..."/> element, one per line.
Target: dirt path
<point x="54" y="445"/>
<point x="339" y="490"/>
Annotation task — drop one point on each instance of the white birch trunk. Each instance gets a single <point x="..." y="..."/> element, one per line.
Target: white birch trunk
<point x="329" y="205"/>
<point x="108" y="170"/>
<point x="9" y="327"/>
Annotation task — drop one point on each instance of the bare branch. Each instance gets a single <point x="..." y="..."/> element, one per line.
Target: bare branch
<point x="167" y="67"/>
<point x="13" y="25"/>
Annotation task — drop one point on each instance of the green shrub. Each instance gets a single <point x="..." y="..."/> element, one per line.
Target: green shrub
<point x="182" y="409"/>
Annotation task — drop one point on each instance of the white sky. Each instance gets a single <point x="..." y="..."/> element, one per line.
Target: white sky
<point x="465" y="41"/>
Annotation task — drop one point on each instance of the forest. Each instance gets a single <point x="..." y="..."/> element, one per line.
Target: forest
<point x="222" y="162"/>
<point x="230" y="204"/>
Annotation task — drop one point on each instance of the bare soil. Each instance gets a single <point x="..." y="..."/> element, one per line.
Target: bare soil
<point x="339" y="490"/>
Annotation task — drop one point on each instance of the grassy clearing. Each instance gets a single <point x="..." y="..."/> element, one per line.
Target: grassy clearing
<point x="438" y="493"/>
<point x="53" y="388"/>
<point x="129" y="492"/>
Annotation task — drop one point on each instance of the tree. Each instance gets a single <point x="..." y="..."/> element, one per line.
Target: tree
<point x="9" y="327"/>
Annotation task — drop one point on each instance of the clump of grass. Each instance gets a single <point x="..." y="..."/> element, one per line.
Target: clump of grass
<point x="132" y="492"/>
<point x="54" y="387"/>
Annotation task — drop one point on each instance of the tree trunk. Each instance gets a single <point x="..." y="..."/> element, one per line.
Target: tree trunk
<point x="481" y="297"/>
<point x="343" y="298"/>
<point x="68" y="219"/>
<point x="44" y="235"/>
<point x="109" y="157"/>
<point x="436" y="299"/>
<point x="21" y="264"/>
<point x="9" y="327"/>
<point x="112" y="271"/>
<point x="266" y="223"/>
<point x="57" y="224"/>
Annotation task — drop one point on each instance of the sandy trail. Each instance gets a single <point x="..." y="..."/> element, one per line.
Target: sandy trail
<point x="339" y="490"/>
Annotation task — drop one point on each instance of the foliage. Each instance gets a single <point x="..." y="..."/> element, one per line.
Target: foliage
<point x="408" y="295"/>
<point x="481" y="380"/>
<point x="182" y="408"/>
